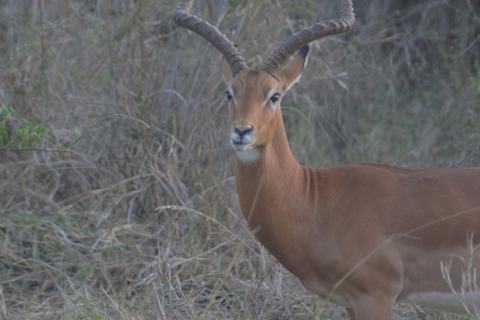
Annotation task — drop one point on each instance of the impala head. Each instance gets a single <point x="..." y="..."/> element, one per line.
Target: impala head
<point x="254" y="95"/>
<point x="254" y="98"/>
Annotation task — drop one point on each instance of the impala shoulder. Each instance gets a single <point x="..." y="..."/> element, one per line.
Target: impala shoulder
<point x="384" y="167"/>
<point x="366" y="179"/>
<point x="371" y="170"/>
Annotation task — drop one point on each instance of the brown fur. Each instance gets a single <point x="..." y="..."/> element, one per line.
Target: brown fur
<point x="391" y="226"/>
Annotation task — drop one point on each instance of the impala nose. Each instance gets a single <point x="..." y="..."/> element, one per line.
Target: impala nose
<point x="241" y="131"/>
<point x="241" y="134"/>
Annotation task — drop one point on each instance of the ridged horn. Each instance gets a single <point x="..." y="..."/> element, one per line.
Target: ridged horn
<point x="183" y="18"/>
<point x="322" y="29"/>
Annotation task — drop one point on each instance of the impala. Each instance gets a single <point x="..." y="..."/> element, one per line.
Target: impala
<point x="363" y="235"/>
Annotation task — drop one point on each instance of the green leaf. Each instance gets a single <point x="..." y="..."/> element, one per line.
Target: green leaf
<point x="25" y="134"/>
<point x="3" y="136"/>
<point x="40" y="129"/>
<point x="4" y="114"/>
<point x="37" y="139"/>
<point x="29" y="127"/>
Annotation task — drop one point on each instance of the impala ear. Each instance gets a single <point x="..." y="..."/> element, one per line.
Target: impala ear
<point x="226" y="71"/>
<point x="290" y="74"/>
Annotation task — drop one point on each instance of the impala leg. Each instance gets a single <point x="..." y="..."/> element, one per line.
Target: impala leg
<point x="369" y="308"/>
<point x="351" y="314"/>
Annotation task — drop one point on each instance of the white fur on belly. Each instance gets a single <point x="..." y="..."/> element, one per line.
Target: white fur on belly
<point x="446" y="301"/>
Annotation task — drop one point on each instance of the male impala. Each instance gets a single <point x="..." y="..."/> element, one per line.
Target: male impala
<point x="365" y="235"/>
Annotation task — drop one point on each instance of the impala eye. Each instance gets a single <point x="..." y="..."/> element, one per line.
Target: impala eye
<point x="229" y="96"/>
<point x="275" y="98"/>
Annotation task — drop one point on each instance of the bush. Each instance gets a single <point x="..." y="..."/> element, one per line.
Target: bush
<point x="79" y="234"/>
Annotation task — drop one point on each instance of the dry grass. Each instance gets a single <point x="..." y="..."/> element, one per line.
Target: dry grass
<point x="79" y="234"/>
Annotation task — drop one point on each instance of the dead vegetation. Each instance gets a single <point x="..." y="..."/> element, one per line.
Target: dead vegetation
<point x="80" y="236"/>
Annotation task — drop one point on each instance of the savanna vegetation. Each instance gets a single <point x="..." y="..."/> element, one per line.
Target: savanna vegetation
<point x="117" y="185"/>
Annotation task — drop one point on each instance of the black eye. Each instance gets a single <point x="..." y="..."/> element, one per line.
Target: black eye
<point x="275" y="98"/>
<point x="229" y="96"/>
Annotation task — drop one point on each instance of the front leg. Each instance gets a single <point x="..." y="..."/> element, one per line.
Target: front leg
<point x="350" y="313"/>
<point x="368" y="307"/>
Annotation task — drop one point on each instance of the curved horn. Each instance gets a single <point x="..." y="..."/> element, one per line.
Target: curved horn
<point x="183" y="18"/>
<point x="325" y="28"/>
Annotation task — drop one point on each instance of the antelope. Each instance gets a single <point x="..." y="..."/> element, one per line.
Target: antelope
<point x="364" y="236"/>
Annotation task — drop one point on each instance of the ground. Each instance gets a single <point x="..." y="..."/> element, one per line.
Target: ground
<point x="117" y="181"/>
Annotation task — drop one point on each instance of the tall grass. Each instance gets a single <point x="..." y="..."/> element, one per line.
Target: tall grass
<point x="80" y="237"/>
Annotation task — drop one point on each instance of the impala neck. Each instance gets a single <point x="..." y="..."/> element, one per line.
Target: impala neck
<point x="267" y="178"/>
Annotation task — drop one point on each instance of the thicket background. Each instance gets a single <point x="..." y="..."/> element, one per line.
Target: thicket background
<point x="79" y="234"/>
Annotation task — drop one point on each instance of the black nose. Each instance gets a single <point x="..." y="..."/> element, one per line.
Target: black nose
<point x="243" y="131"/>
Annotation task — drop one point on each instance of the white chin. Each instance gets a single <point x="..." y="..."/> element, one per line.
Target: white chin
<point x="241" y="146"/>
<point x="248" y="155"/>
